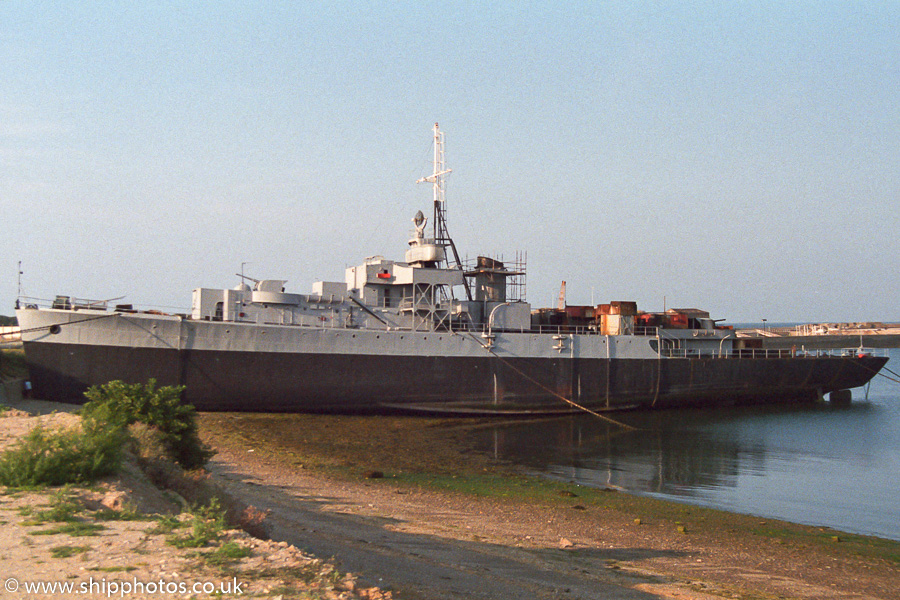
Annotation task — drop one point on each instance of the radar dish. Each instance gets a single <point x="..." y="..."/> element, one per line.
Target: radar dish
<point x="419" y="219"/>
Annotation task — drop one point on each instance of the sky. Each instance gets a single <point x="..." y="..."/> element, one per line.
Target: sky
<point x="739" y="157"/>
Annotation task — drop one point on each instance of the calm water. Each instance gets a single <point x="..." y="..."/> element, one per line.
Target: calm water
<point x="821" y="465"/>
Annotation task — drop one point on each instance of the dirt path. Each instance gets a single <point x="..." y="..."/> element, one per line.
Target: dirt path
<point x="410" y="544"/>
<point x="425" y="544"/>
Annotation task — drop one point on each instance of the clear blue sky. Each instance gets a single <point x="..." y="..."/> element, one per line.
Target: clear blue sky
<point x="738" y="157"/>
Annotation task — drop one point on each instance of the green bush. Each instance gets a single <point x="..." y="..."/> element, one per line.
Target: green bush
<point x="121" y="404"/>
<point x="82" y="455"/>
<point x="57" y="457"/>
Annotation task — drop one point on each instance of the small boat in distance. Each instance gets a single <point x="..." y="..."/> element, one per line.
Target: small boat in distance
<point x="428" y="333"/>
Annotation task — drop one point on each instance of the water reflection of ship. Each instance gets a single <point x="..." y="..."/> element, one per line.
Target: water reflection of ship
<point x="656" y="458"/>
<point x="824" y="465"/>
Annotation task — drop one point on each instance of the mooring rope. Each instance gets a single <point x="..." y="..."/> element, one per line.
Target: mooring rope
<point x="550" y="390"/>
<point x="889" y="378"/>
<point x="894" y="373"/>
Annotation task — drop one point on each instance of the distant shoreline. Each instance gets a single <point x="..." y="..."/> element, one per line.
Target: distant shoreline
<point x="832" y="336"/>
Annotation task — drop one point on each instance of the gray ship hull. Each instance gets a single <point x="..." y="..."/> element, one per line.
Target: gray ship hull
<point x="259" y="380"/>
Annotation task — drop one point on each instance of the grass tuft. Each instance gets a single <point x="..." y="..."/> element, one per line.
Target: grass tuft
<point x="67" y="551"/>
<point x="62" y="509"/>
<point x="166" y="524"/>
<point x="126" y="514"/>
<point x="226" y="554"/>
<point x="207" y="525"/>
<point x="74" y="528"/>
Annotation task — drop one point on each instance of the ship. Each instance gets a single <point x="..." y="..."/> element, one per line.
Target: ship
<point x="431" y="333"/>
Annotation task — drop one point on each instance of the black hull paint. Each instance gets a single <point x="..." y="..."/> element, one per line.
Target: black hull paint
<point x="257" y="381"/>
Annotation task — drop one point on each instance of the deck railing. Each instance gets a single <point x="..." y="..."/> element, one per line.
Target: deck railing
<point x="73" y="303"/>
<point x="759" y="353"/>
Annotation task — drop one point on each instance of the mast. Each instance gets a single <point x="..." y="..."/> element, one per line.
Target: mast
<point x="19" y="292"/>
<point x="437" y="178"/>
<point x="439" y="169"/>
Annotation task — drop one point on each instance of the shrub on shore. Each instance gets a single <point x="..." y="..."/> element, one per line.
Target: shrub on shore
<point x="57" y="457"/>
<point x="84" y="454"/>
<point x="121" y="404"/>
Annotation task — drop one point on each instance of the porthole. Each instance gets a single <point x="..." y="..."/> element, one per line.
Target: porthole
<point x="54" y="329"/>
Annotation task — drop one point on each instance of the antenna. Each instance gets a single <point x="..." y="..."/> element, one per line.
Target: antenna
<point x="246" y="262"/>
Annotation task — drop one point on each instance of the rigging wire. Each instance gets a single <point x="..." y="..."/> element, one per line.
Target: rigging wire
<point x="21" y="331"/>
<point x="552" y="391"/>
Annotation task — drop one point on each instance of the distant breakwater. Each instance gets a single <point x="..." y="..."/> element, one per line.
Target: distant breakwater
<point x="831" y="341"/>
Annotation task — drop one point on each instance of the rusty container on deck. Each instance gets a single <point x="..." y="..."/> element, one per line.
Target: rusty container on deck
<point x="624" y="308"/>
